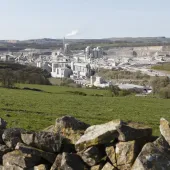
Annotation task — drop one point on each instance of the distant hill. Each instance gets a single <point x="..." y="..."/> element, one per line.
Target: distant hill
<point x="77" y="44"/>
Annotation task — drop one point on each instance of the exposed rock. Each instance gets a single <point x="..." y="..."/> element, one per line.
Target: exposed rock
<point x="69" y="127"/>
<point x="92" y="155"/>
<point x="46" y="141"/>
<point x="57" y="162"/>
<point x="50" y="157"/>
<point x="111" y="153"/>
<point x="41" y="167"/>
<point x="12" y="167"/>
<point x="98" y="134"/>
<point x="153" y="156"/>
<point x="125" y="153"/>
<point x="67" y="147"/>
<point x="12" y="136"/>
<point x="165" y="129"/>
<point x="132" y="131"/>
<point x="1" y="133"/>
<point x="3" y="150"/>
<point x="71" y="162"/>
<point x="20" y="159"/>
<point x="97" y="167"/>
<point x="108" y="166"/>
<point x="3" y="123"/>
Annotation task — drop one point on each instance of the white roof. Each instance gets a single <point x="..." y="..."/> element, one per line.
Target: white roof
<point x="81" y="64"/>
<point x="130" y="86"/>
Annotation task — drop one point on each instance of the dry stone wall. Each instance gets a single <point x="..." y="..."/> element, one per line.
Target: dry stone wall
<point x="74" y="145"/>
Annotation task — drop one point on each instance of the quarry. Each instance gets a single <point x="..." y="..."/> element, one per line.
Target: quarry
<point x="82" y="66"/>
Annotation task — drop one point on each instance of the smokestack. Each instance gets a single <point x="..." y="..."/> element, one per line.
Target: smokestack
<point x="63" y="43"/>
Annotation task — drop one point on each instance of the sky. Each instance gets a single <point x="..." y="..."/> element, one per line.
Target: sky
<point x="30" y="19"/>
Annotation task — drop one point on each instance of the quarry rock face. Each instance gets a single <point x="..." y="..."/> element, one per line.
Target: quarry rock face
<point x="165" y="129"/>
<point x="43" y="140"/>
<point x="115" y="145"/>
<point x="70" y="127"/>
<point x="98" y="134"/>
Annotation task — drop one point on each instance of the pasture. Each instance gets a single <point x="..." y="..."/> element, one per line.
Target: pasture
<point x="35" y="110"/>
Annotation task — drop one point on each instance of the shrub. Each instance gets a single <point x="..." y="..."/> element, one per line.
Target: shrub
<point x="124" y="92"/>
<point x="165" y="92"/>
<point x="159" y="82"/>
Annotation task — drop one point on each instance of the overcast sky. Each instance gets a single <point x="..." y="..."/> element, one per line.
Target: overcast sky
<point x="28" y="19"/>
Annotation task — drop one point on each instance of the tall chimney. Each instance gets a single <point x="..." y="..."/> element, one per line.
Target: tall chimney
<point x="63" y="43"/>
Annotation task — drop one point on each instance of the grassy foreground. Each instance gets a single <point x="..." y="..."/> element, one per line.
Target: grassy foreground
<point x="37" y="110"/>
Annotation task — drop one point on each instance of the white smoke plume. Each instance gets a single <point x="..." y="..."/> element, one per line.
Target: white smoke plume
<point x="74" y="32"/>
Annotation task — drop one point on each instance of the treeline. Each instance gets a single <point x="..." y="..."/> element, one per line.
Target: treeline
<point x="122" y="74"/>
<point x="105" y="44"/>
<point x="16" y="73"/>
<point x="161" y="87"/>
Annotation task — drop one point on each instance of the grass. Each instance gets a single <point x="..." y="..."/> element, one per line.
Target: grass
<point x="162" y="67"/>
<point x="37" y="110"/>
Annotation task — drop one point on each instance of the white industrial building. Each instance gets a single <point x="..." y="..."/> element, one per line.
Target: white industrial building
<point x="80" y="69"/>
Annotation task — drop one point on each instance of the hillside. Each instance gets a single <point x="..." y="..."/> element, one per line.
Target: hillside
<point x="35" y="110"/>
<point x="11" y="73"/>
<point x="77" y="44"/>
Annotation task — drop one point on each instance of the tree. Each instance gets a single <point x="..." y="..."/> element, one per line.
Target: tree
<point x="7" y="78"/>
<point x="159" y="82"/>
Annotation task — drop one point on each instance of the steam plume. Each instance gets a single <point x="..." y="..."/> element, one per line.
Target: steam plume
<point x="74" y="32"/>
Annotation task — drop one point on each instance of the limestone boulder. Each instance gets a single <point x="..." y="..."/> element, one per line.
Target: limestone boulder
<point x="165" y="129"/>
<point x="111" y="154"/>
<point x="46" y="141"/>
<point x="40" y="167"/>
<point x="57" y="163"/>
<point x="154" y="156"/>
<point x="1" y="133"/>
<point x="70" y="127"/>
<point x="97" y="167"/>
<point x="50" y="157"/>
<point x="72" y="162"/>
<point x="92" y="155"/>
<point x="3" y="123"/>
<point x="12" y="136"/>
<point x="98" y="134"/>
<point x="3" y="150"/>
<point x="108" y="166"/>
<point x="132" y="131"/>
<point x="11" y="167"/>
<point x="125" y="153"/>
<point x="19" y="159"/>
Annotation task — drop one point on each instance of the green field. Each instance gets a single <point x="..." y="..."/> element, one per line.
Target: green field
<point x="162" y="67"/>
<point x="37" y="110"/>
